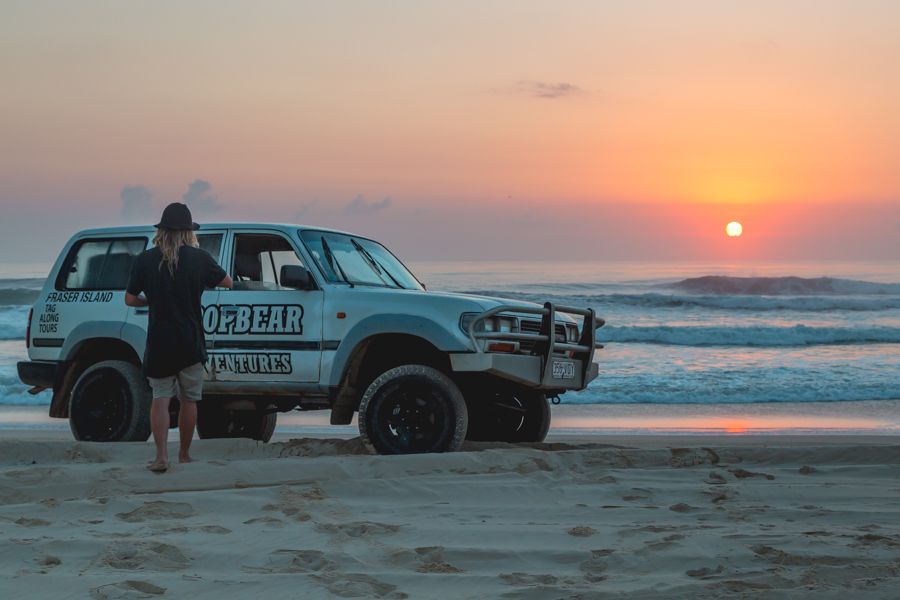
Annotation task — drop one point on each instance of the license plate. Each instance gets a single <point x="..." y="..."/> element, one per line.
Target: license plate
<point x="563" y="369"/>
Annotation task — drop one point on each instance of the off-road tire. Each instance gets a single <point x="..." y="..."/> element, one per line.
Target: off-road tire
<point x="215" y="422"/>
<point x="110" y="402"/>
<point x="508" y="414"/>
<point x="412" y="409"/>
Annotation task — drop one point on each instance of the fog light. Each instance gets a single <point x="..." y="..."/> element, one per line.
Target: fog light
<point x="501" y="347"/>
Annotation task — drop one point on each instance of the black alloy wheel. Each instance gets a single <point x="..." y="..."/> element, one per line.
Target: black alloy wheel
<point x="413" y="409"/>
<point x="508" y="414"/>
<point x="110" y="402"/>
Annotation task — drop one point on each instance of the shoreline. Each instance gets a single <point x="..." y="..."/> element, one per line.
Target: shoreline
<point x="857" y="418"/>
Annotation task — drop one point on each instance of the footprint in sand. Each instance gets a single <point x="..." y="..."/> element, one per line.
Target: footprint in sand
<point x="716" y="478"/>
<point x="548" y="586"/>
<point x="127" y="589"/>
<point x="33" y="475"/>
<point x="527" y="579"/>
<point x="716" y="496"/>
<point x="595" y="565"/>
<point x="691" y="457"/>
<point x="357" y="585"/>
<point x="705" y="572"/>
<point x="11" y="495"/>
<point x="870" y="539"/>
<point x="432" y="560"/>
<point x="293" y="561"/>
<point x="292" y="503"/>
<point x="582" y="531"/>
<point x="158" y="509"/>
<point x="143" y="556"/>
<point x="744" y="474"/>
<point x="533" y="465"/>
<point x="216" y="529"/>
<point x="84" y="454"/>
<point x="272" y="521"/>
<point x="780" y="557"/>
<point x="666" y="542"/>
<point x="638" y="494"/>
<point x="358" y="529"/>
<point x="28" y="522"/>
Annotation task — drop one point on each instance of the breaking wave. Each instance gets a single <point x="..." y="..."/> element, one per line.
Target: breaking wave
<point x="798" y="335"/>
<point x="746" y="302"/>
<point x="777" y="286"/>
<point x="17" y="292"/>
<point x="14" y="392"/>
<point x="13" y="321"/>
<point x="723" y="302"/>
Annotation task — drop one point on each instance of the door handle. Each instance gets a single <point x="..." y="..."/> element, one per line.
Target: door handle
<point x="229" y="310"/>
<point x="142" y="311"/>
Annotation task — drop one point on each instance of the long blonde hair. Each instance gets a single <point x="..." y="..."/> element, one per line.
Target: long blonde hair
<point x="170" y="241"/>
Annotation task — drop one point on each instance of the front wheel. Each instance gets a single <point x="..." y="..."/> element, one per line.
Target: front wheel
<point x="413" y="409"/>
<point x="215" y="422"/>
<point x="110" y="402"/>
<point x="507" y="414"/>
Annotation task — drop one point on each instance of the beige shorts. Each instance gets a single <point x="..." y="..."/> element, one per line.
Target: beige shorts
<point x="187" y="385"/>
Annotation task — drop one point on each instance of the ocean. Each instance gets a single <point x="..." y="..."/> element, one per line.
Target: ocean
<point x="685" y="333"/>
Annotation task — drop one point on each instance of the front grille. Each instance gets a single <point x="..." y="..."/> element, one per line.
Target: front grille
<point x="532" y="326"/>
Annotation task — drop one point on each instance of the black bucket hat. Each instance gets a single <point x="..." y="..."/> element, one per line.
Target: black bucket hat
<point x="177" y="216"/>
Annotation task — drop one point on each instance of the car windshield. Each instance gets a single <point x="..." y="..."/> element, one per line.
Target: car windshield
<point x="357" y="261"/>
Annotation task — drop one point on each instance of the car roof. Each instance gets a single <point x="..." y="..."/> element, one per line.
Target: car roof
<point x="97" y="231"/>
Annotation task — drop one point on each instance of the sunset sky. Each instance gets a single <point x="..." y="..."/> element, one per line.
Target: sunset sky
<point x="462" y="130"/>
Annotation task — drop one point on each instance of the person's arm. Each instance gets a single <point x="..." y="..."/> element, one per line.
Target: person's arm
<point x="215" y="275"/>
<point x="134" y="300"/>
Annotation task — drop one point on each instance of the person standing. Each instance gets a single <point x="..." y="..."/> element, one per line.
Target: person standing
<point x="170" y="279"/>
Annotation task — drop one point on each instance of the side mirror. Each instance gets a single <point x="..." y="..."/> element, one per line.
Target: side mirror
<point x="297" y="277"/>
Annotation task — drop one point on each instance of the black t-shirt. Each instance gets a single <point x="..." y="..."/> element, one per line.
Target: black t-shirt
<point x="175" y="332"/>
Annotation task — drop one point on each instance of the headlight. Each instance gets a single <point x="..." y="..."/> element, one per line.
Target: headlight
<point x="501" y="324"/>
<point x="506" y="324"/>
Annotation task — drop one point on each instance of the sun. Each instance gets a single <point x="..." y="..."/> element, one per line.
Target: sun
<point x="734" y="229"/>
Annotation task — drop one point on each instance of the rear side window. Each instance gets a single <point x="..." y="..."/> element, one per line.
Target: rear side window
<point x="100" y="264"/>
<point x="211" y="242"/>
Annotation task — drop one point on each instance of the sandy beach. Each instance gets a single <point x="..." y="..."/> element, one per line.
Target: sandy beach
<point x="592" y="517"/>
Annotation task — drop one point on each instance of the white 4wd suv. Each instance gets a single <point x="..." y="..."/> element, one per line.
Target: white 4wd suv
<point x="317" y="319"/>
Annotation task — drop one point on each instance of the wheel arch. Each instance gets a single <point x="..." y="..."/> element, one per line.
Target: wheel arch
<point x="79" y="354"/>
<point x="366" y="358"/>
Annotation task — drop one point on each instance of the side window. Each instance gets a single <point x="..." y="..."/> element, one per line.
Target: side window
<point x="100" y="264"/>
<point x="258" y="259"/>
<point x="211" y="243"/>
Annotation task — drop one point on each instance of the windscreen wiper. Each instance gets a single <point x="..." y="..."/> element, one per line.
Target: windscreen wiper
<point x="333" y="261"/>
<point x="372" y="262"/>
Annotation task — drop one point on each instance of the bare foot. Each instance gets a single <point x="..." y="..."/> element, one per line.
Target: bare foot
<point x="185" y="459"/>
<point x="159" y="466"/>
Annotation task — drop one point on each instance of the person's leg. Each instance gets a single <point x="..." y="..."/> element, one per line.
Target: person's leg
<point x="163" y="390"/>
<point x="190" y="391"/>
<point x="187" y="421"/>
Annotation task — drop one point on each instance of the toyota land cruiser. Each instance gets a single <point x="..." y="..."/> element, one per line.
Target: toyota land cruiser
<point x="317" y="319"/>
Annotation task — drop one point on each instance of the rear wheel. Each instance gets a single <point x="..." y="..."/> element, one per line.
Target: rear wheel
<point x="215" y="422"/>
<point x="110" y="402"/>
<point x="413" y="409"/>
<point x="508" y="414"/>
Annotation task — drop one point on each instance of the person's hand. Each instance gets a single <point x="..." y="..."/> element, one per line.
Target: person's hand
<point x="135" y="301"/>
